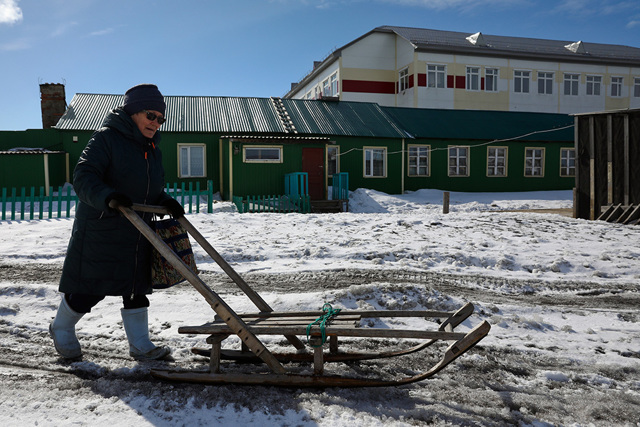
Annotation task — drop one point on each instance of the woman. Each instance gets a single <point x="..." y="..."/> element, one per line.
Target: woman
<point x="107" y="255"/>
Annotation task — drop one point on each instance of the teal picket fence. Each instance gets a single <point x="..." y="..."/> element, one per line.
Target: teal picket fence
<point x="281" y="204"/>
<point x="27" y="204"/>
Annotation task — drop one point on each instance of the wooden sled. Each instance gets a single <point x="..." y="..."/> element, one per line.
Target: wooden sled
<point x="293" y="324"/>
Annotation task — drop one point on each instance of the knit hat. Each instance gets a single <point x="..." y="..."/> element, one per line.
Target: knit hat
<point x="144" y="97"/>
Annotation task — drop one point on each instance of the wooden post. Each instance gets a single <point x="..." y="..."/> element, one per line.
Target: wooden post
<point x="318" y="356"/>
<point x="445" y="202"/>
<point x="216" y="347"/>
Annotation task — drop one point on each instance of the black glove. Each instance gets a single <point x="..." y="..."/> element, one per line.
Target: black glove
<point x="120" y="199"/>
<point x="175" y="209"/>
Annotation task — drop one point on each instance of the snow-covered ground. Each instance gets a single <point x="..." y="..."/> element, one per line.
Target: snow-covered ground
<point x="561" y="295"/>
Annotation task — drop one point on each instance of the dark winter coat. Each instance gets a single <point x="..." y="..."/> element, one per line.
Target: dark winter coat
<point x="107" y="255"/>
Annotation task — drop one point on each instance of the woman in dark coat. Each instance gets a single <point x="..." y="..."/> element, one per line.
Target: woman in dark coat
<point x="107" y="255"/>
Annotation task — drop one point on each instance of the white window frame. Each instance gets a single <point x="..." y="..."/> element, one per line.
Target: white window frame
<point x="251" y="148"/>
<point x="326" y="87"/>
<point x="403" y="79"/>
<point x="187" y="173"/>
<point x="534" y="162"/>
<point x="521" y="81"/>
<point x="333" y="158"/>
<point x="594" y="85"/>
<point x="418" y="160"/>
<point x="334" y="84"/>
<point x="436" y="76"/>
<point x="473" y="78"/>
<point x="491" y="75"/>
<point x="369" y="159"/>
<point x="494" y="168"/>
<point x="545" y="83"/>
<point x="616" y="86"/>
<point x="571" y="83"/>
<point x="568" y="162"/>
<point x="458" y="160"/>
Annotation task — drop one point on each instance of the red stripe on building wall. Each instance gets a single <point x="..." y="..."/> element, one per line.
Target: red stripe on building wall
<point x="460" y="82"/>
<point x="450" y="82"/>
<point x="481" y="83"/>
<point x="367" y="86"/>
<point x="422" y="80"/>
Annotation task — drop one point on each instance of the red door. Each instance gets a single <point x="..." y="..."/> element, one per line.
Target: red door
<point x="313" y="165"/>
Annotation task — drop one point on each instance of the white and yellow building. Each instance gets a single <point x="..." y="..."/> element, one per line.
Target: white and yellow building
<point x="422" y="68"/>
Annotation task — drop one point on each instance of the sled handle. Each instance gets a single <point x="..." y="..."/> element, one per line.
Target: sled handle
<point x="237" y="325"/>
<point x="238" y="280"/>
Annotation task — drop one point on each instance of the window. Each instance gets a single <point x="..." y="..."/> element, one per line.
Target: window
<point x="403" y="79"/>
<point x="458" y="161"/>
<point x="545" y="83"/>
<point x="491" y="80"/>
<point x="191" y="160"/>
<point x="567" y="162"/>
<point x="534" y="162"/>
<point x="616" y="86"/>
<point x="326" y="88"/>
<point x="636" y="87"/>
<point x="262" y="154"/>
<point x="333" y="160"/>
<point x="375" y="162"/>
<point x="497" y="161"/>
<point x="436" y="76"/>
<point x="419" y="160"/>
<point x="521" y="81"/>
<point x="473" y="78"/>
<point x="571" y="84"/>
<point x="593" y="85"/>
<point x="334" y="84"/>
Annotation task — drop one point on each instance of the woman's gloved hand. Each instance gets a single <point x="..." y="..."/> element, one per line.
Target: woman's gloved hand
<point x="175" y="209"/>
<point x="120" y="200"/>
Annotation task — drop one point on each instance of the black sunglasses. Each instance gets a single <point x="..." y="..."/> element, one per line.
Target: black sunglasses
<point x="153" y="116"/>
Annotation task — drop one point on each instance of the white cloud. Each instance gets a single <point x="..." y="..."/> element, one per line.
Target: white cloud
<point x="102" y="32"/>
<point x="453" y="4"/>
<point x="632" y="24"/>
<point x="20" y="44"/>
<point x="10" y="13"/>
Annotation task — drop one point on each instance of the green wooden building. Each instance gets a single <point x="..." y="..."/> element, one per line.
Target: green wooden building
<point x="466" y="150"/>
<point x="247" y="146"/>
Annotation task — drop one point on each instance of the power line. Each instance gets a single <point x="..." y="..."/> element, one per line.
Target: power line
<point x="476" y="145"/>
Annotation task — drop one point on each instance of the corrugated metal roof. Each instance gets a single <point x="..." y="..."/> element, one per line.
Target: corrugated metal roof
<point x="244" y="115"/>
<point x="426" y="39"/>
<point x="482" y="125"/>
<point x="184" y="113"/>
<point x="341" y="118"/>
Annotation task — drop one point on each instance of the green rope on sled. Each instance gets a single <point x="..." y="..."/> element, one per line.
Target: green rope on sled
<point x="329" y="312"/>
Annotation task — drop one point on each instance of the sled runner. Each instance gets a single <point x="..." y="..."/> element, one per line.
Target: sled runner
<point x="318" y="326"/>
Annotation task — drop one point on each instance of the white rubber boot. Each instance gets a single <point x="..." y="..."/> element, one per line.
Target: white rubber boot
<point x="63" y="331"/>
<point x="136" y="326"/>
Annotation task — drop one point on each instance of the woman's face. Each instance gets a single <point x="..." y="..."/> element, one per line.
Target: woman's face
<point x="147" y="127"/>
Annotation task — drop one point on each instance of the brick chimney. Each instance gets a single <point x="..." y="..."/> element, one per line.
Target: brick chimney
<point x="52" y="102"/>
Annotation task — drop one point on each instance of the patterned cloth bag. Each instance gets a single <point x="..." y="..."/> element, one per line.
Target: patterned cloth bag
<point x="163" y="274"/>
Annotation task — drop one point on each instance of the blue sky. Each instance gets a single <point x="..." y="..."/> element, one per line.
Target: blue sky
<point x="244" y="47"/>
